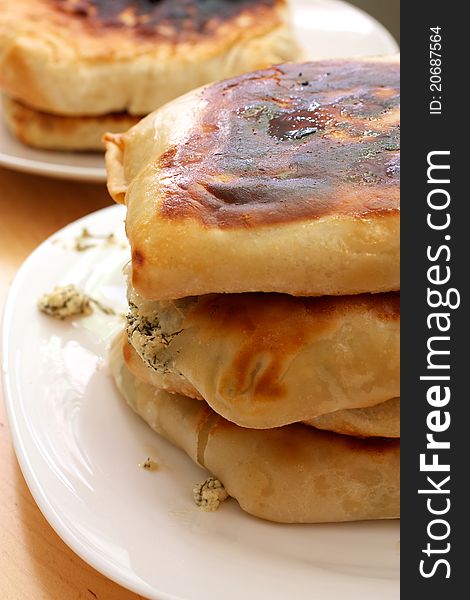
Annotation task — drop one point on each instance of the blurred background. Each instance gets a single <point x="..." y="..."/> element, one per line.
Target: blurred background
<point x="385" y="11"/>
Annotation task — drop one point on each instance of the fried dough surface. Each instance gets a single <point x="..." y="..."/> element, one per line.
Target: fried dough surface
<point x="94" y="57"/>
<point x="292" y="474"/>
<point x="54" y="132"/>
<point x="266" y="360"/>
<point x="284" y="180"/>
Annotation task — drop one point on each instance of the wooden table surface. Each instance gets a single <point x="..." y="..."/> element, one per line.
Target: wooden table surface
<point x="35" y="564"/>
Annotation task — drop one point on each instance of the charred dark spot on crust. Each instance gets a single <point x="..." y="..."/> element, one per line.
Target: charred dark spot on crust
<point x="137" y="259"/>
<point x="268" y="149"/>
<point x="169" y="19"/>
<point x="297" y="124"/>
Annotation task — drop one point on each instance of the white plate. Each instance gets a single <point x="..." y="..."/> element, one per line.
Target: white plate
<point x="80" y="166"/>
<point x="79" y="447"/>
<point x="325" y="28"/>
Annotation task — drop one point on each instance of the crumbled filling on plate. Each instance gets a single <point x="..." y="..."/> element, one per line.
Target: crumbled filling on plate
<point x="66" y="301"/>
<point x="149" y="464"/>
<point x="209" y="494"/>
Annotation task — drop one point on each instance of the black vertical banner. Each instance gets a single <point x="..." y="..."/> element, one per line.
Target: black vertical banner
<point x="435" y="321"/>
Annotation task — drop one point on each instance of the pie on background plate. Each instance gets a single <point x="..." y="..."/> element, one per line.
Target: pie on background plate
<point x="323" y="28"/>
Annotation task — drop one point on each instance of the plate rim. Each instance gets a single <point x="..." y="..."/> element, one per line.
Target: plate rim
<point x="54" y="170"/>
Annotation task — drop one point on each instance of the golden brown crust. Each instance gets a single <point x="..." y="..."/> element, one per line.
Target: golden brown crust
<point x="297" y="474"/>
<point x="292" y="474"/>
<point x="293" y="142"/>
<point x="95" y="56"/>
<point x="381" y="420"/>
<point x="273" y="359"/>
<point x="272" y="331"/>
<point x="53" y="132"/>
<point x="250" y="208"/>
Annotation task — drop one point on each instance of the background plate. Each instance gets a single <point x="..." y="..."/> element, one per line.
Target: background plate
<point x="79" y="447"/>
<point x="324" y="28"/>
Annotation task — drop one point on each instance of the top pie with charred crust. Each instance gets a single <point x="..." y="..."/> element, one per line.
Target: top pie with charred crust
<point x="285" y="179"/>
<point x="92" y="57"/>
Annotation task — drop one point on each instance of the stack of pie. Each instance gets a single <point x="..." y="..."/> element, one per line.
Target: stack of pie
<point x="263" y="328"/>
<point x="71" y="70"/>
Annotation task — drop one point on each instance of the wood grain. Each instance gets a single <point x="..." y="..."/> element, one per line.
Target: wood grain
<point x="35" y="564"/>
